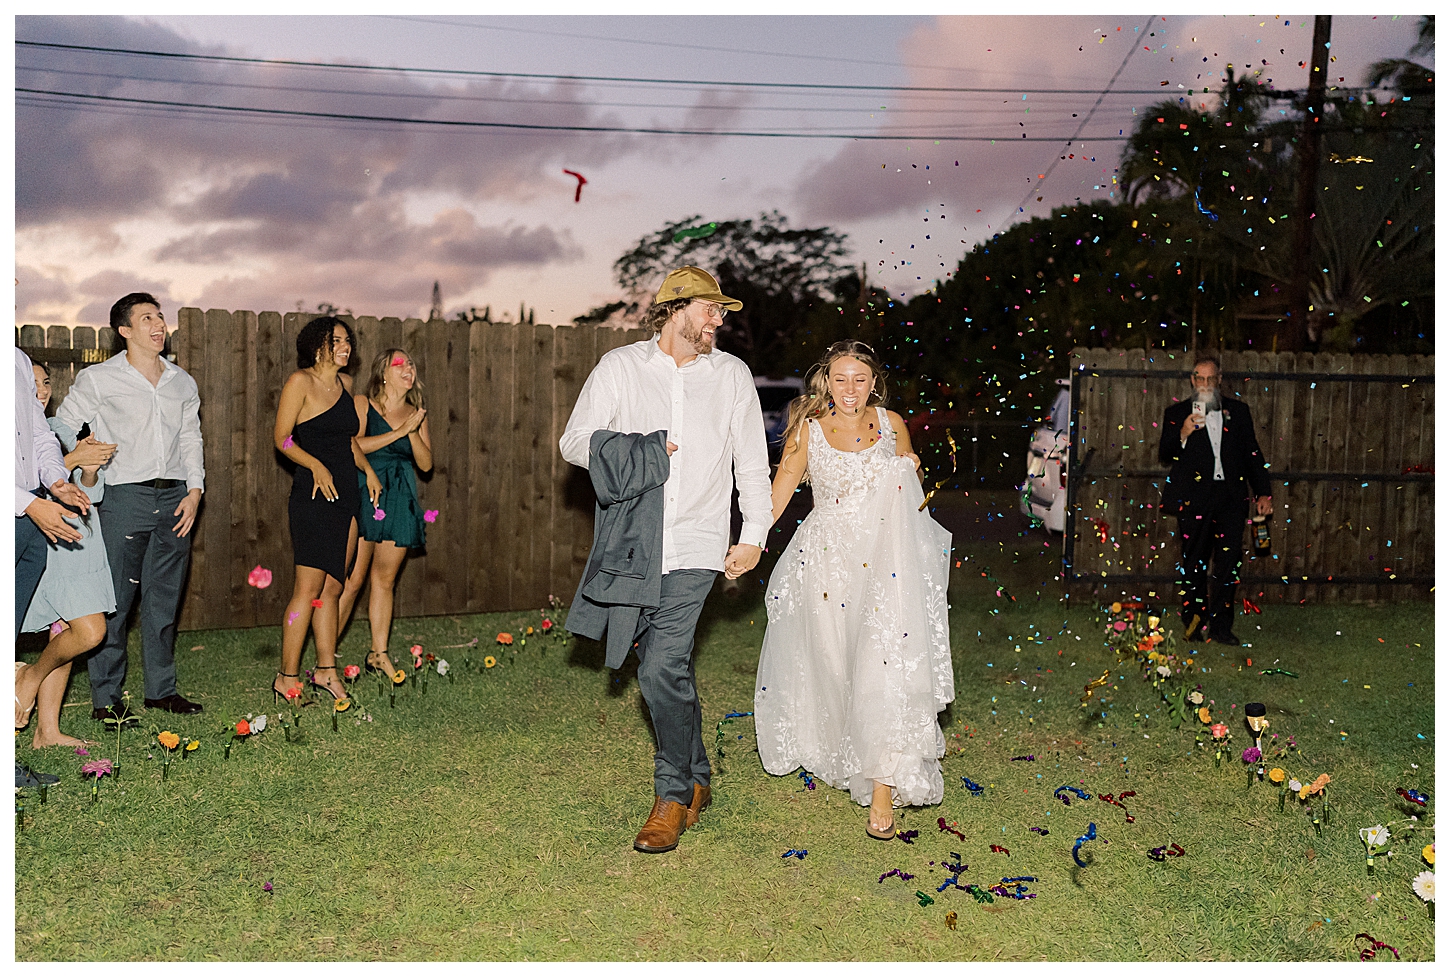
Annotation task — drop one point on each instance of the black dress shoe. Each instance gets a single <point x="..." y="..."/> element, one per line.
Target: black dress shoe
<point x="25" y="777"/>
<point x="1224" y="638"/>
<point x="175" y="703"/>
<point x="111" y="712"/>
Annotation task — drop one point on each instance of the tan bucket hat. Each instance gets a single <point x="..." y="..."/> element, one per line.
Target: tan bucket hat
<point x="690" y="282"/>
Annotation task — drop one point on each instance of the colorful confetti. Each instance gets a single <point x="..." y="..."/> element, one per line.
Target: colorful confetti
<point x="941" y="824"/>
<point x="580" y="187"/>
<point x="1092" y="833"/>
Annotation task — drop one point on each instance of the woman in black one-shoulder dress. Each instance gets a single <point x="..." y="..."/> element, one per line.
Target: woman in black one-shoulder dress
<point x="322" y="509"/>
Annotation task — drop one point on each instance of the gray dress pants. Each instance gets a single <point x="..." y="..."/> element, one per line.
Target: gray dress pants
<point x="666" y="637"/>
<point x="145" y="555"/>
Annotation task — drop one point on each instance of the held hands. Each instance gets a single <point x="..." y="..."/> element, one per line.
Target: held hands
<point x="671" y="448"/>
<point x="322" y="482"/>
<point x="186" y="510"/>
<point x="741" y="559"/>
<point x="50" y="517"/>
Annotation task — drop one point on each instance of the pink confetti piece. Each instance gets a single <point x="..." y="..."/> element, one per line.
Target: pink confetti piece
<point x="260" y="577"/>
<point x="379" y="515"/>
<point x="398" y="361"/>
<point x="287" y="442"/>
<point x="430" y="515"/>
<point x="292" y="617"/>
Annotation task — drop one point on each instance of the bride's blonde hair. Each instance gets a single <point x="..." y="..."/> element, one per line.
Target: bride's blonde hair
<point x="816" y="401"/>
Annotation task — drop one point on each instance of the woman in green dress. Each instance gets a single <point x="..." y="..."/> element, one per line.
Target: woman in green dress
<point x="395" y="440"/>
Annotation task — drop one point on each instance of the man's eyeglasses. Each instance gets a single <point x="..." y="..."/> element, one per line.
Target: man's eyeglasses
<point x="716" y="309"/>
<point x="1211" y="378"/>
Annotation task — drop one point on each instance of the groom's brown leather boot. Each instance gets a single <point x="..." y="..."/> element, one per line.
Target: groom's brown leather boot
<point x="698" y="803"/>
<point x="662" y="830"/>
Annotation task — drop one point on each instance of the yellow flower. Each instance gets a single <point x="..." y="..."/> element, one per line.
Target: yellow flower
<point x="399" y="677"/>
<point x="1153" y="622"/>
<point x="1117" y="607"/>
<point x="488" y="661"/>
<point x="1428" y="853"/>
<point x="1188" y="662"/>
<point x="168" y="739"/>
<point x="529" y="629"/>
<point x="1303" y="792"/>
<point x="1203" y="715"/>
<point x="342" y="705"/>
<point x="193" y="744"/>
<point x="1277" y="775"/>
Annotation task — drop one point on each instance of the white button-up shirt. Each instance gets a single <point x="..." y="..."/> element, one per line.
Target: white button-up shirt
<point x="156" y="430"/>
<point x="1213" y="422"/>
<point x="38" y="461"/>
<point x="710" y="409"/>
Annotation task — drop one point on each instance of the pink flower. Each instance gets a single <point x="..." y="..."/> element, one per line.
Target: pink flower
<point x="416" y="651"/>
<point x="260" y="577"/>
<point x="547" y="624"/>
<point x="430" y="515"/>
<point x="379" y="515"/>
<point x="1252" y="754"/>
<point x="97" y="767"/>
<point x="82" y="751"/>
<point x="351" y="672"/>
<point x="1219" y="730"/>
<point x="1120" y="625"/>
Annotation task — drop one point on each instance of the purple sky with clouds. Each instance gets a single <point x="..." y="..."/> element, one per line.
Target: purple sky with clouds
<point x="217" y="209"/>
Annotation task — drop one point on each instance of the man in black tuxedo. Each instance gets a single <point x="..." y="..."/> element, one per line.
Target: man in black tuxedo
<point x="1217" y="468"/>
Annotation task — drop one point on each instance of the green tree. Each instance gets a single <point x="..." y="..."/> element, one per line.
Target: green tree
<point x="780" y="273"/>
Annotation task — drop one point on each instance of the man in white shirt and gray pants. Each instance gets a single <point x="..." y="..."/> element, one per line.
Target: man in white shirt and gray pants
<point x="705" y="401"/>
<point x="150" y="409"/>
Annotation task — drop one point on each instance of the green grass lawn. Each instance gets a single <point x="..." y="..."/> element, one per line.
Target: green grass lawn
<point x="492" y="818"/>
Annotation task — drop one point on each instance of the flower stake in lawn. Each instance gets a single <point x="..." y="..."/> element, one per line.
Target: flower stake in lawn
<point x="169" y="742"/>
<point x="119" y="722"/>
<point x="1424" y="886"/>
<point x="96" y="769"/>
<point x="190" y="748"/>
<point x="240" y="731"/>
<point x="399" y="677"/>
<point x="1251" y="757"/>
<point x="1375" y="839"/>
<point x="293" y="733"/>
<point x="1221" y="736"/>
<point x="1276" y="776"/>
<point x="339" y="705"/>
<point x="350" y="673"/>
<point x="442" y="669"/>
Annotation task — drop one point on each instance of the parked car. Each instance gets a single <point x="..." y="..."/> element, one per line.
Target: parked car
<point x="775" y="394"/>
<point x="1044" y="493"/>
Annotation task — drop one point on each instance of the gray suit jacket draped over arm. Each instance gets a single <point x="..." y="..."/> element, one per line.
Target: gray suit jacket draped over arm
<point x="628" y="472"/>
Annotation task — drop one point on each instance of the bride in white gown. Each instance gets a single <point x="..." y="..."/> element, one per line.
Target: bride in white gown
<point x="856" y="662"/>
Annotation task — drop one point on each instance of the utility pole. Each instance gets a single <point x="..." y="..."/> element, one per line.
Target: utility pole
<point x="1296" y="332"/>
<point x="436" y="312"/>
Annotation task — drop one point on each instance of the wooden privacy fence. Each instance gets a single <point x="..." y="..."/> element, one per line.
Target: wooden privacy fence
<point x="515" y="520"/>
<point x="1350" y="442"/>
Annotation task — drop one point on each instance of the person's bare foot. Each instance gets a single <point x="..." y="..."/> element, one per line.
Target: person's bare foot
<point x="56" y="739"/>
<point x="882" y="817"/>
<point x="22" y="716"/>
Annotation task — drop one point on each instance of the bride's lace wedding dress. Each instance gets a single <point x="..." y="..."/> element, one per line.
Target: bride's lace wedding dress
<point x="856" y="662"/>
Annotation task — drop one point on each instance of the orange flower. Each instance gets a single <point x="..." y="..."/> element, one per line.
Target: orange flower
<point x="1145" y="645"/>
<point x="1319" y="784"/>
<point x="244" y="728"/>
<point x="529" y="629"/>
<point x="504" y="638"/>
<point x="168" y="739"/>
<point x="1203" y="715"/>
<point x="399" y="677"/>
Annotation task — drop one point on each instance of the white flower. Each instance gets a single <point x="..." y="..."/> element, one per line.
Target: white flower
<point x="442" y="666"/>
<point x="1376" y="836"/>
<point x="260" y="723"/>
<point x="1165" y="671"/>
<point x="1294" y="785"/>
<point x="1424" y="886"/>
<point x="1196" y="697"/>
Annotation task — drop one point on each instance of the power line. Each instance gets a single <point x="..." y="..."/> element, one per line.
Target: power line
<point x="1086" y="119"/>
<point x="289" y="63"/>
<point x="470" y="124"/>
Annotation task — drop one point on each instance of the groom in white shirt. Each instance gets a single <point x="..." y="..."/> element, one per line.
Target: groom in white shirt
<point x="705" y="401"/>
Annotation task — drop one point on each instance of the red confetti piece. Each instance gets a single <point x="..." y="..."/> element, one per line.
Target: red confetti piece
<point x="580" y="188"/>
<point x="941" y="824"/>
<point x="999" y="848"/>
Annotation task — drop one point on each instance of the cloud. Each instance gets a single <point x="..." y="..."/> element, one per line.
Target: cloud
<point x="38" y="296"/>
<point x="864" y="180"/>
